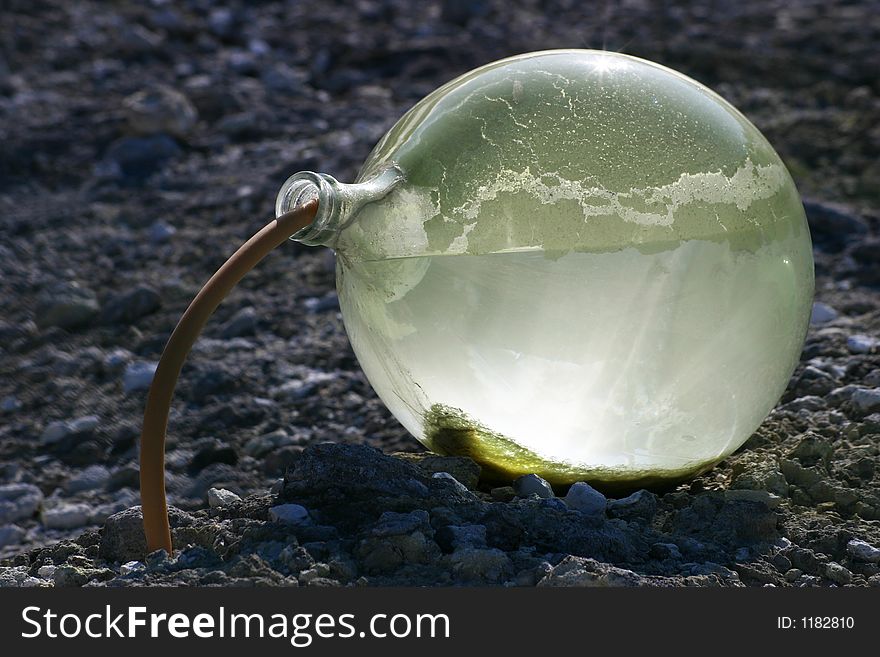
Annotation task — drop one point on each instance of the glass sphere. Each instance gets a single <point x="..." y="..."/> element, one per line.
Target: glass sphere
<point x="594" y="268"/>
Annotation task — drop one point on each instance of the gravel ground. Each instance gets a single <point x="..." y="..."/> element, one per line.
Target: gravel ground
<point x="143" y="141"/>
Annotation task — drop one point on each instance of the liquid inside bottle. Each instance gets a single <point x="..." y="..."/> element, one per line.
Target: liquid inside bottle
<point x="606" y="365"/>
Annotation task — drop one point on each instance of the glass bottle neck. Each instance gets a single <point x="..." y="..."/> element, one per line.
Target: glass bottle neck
<point x="338" y="203"/>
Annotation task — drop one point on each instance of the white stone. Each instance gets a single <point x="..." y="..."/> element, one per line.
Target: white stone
<point x="47" y="571"/>
<point x="862" y="551"/>
<point x="138" y="376"/>
<point x="290" y="513"/>
<point x="219" y="497"/>
<point x="66" y="516"/>
<point x="131" y="567"/>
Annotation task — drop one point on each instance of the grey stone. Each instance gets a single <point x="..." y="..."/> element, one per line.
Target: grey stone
<point x="160" y="232"/>
<point x="18" y="577"/>
<point x="387" y="553"/>
<point x="759" y="496"/>
<point x="866" y="400"/>
<point x="128" y="307"/>
<point x="19" y="502"/>
<point x="10" y="404"/>
<point x="55" y="432"/>
<point x="130" y="567"/>
<point x="138" y="376"/>
<point x="47" y="571"/>
<point x="822" y="313"/>
<point x="66" y="305"/>
<point x="480" y="565"/>
<point x="579" y="571"/>
<point x="445" y="476"/>
<point x="220" y="497"/>
<point x="66" y="516"/>
<point x="837" y="573"/>
<point x="160" y="109"/>
<point x="861" y="344"/>
<point x="357" y="471"/>
<point x="461" y="467"/>
<point x="532" y="484"/>
<point x="116" y="360"/>
<point x="262" y="445"/>
<point x="392" y="523"/>
<point x="122" y="537"/>
<point x="665" y="551"/>
<point x="137" y="157"/>
<point x="503" y="493"/>
<point x="457" y="537"/>
<point x="85" y="424"/>
<point x="294" y="514"/>
<point x="11" y="534"/>
<point x="90" y="478"/>
<point x="641" y="504"/>
<point x="586" y="499"/>
<point x="863" y="551"/>
<point x="242" y="323"/>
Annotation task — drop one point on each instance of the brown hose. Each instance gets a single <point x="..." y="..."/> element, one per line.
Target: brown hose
<point x="153" y="501"/>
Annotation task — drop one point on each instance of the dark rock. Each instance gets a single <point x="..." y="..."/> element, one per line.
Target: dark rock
<point x="642" y="504"/>
<point x="160" y="110"/>
<point x="833" y="226"/>
<point x="128" y="307"/>
<point x="464" y="469"/>
<point x="532" y="484"/>
<point x="215" y="453"/>
<point x="243" y="323"/>
<point x="67" y="306"/>
<point x="332" y="466"/>
<point x="139" y="157"/>
<point x="122" y="538"/>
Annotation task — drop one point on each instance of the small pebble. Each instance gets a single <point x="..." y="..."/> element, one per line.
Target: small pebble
<point x="220" y="497"/>
<point x="863" y="551"/>
<point x="822" y="313"/>
<point x="837" y="573"/>
<point x="861" y="344"/>
<point x="289" y="513"/>
<point x="66" y="516"/>
<point x="47" y="571"/>
<point x="532" y="484"/>
<point x="586" y="499"/>
<point x="11" y="535"/>
<point x="138" y="376"/>
<point x="10" y="404"/>
<point x="866" y="400"/>
<point x="132" y="567"/>
<point x="460" y="487"/>
<point x="91" y="478"/>
<point x="160" y="232"/>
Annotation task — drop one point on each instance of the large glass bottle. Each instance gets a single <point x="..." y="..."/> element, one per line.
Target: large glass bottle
<point x="574" y="263"/>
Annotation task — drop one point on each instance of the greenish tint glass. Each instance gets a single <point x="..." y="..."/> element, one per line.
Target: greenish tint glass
<point x="575" y="263"/>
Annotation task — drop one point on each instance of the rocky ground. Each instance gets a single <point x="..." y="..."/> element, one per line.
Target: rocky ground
<point x="143" y="141"/>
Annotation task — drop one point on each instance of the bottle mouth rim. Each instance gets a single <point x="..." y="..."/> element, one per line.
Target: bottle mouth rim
<point x="300" y="188"/>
